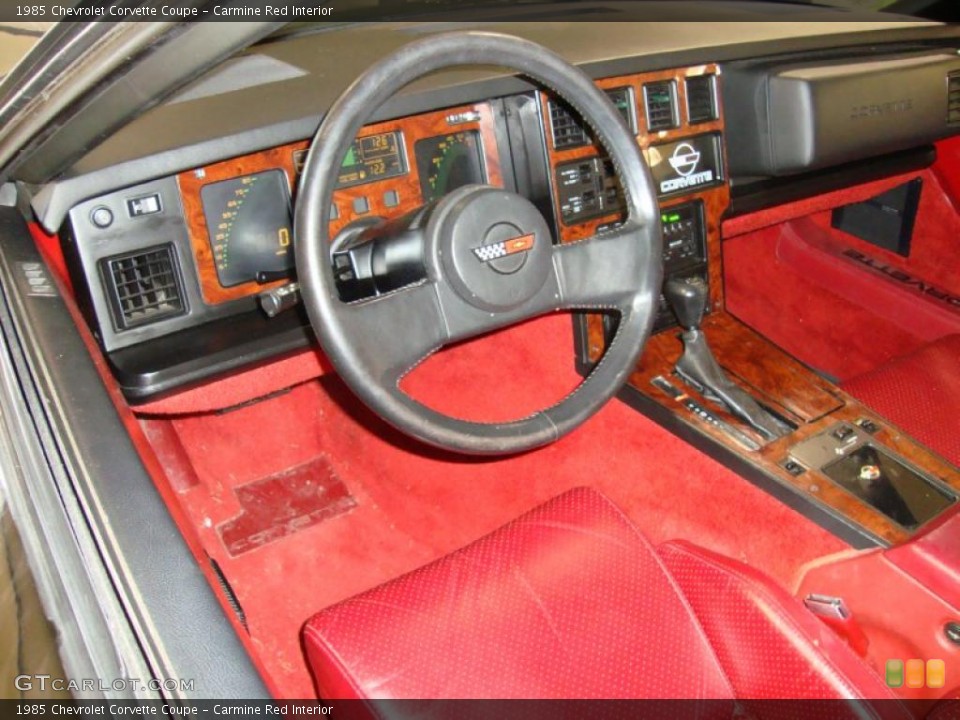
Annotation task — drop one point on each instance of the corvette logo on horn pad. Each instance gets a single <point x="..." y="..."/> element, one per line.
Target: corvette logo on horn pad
<point x="486" y="253"/>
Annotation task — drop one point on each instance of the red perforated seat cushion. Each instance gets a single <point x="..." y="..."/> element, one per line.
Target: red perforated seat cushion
<point x="559" y="603"/>
<point x="920" y="393"/>
<point x="571" y="601"/>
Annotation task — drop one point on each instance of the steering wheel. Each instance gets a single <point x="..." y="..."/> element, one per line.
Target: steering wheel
<point x="486" y="257"/>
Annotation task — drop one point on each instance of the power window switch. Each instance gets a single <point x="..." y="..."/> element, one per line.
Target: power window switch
<point x="793" y="467"/>
<point x="843" y="432"/>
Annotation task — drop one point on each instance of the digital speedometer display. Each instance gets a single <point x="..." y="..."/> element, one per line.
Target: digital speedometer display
<point x="447" y="162"/>
<point x="249" y="222"/>
<point x="375" y="157"/>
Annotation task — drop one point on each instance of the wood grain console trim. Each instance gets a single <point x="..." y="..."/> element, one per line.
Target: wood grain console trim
<point x="808" y="401"/>
<point x="716" y="199"/>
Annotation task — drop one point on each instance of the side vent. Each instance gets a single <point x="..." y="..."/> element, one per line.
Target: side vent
<point x="567" y="132"/>
<point x="701" y="99"/>
<point x="953" y="98"/>
<point x="143" y="286"/>
<point x="660" y="99"/>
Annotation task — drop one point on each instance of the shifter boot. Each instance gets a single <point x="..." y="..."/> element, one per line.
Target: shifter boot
<point x="698" y="367"/>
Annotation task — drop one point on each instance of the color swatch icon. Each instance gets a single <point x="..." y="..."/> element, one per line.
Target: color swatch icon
<point x="915" y="673"/>
<point x="936" y="673"/>
<point x="894" y="673"/>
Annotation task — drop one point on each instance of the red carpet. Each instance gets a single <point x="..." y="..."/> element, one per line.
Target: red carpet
<point x="414" y="504"/>
<point x="841" y="328"/>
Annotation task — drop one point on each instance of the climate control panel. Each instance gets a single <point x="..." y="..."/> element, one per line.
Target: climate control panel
<point x="587" y="188"/>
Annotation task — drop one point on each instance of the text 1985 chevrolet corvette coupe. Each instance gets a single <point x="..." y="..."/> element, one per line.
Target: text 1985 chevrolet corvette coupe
<point x="514" y="359"/>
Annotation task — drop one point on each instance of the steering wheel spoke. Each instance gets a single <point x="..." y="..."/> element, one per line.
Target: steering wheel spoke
<point x="602" y="272"/>
<point x="393" y="333"/>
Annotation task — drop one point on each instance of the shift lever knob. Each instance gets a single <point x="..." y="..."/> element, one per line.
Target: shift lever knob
<point x="688" y="298"/>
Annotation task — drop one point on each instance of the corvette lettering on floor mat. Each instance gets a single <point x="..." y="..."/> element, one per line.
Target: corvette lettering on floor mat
<point x="285" y="503"/>
<point x="906" y="279"/>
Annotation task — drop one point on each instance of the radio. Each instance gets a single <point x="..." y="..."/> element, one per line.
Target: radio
<point x="684" y="251"/>
<point x="684" y="256"/>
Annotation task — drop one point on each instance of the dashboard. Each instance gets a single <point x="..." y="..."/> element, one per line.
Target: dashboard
<point x="171" y="272"/>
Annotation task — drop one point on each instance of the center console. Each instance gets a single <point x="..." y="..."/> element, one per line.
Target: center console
<point x="816" y="448"/>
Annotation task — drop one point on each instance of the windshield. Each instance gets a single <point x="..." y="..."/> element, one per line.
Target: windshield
<point x="16" y="38"/>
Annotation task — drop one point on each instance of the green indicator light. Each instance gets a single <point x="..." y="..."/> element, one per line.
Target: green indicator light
<point x="673" y="218"/>
<point x="894" y="673"/>
<point x="351" y="158"/>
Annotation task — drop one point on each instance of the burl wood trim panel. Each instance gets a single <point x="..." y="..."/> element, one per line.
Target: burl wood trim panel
<point x="810" y="402"/>
<point x="407" y="186"/>
<point x="715" y="199"/>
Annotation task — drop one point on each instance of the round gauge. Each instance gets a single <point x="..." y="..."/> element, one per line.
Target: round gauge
<point x="447" y="162"/>
<point x="248" y="220"/>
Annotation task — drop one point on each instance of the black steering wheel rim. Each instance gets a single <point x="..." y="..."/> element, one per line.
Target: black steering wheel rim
<point x="624" y="265"/>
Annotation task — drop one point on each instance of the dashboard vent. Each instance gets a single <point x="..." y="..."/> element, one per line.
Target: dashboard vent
<point x="953" y="98"/>
<point x="660" y="101"/>
<point x="143" y="286"/>
<point x="567" y="131"/>
<point x="701" y="104"/>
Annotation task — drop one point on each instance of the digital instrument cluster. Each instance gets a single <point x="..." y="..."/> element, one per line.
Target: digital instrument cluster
<point x="447" y="162"/>
<point x="249" y="224"/>
<point x="249" y="218"/>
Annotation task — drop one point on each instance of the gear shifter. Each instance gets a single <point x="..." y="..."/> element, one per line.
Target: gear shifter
<point x="697" y="366"/>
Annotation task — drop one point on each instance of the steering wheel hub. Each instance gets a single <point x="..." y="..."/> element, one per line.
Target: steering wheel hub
<point x="494" y="247"/>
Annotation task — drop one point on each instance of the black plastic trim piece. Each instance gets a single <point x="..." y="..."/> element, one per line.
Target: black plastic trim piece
<point x="180" y="624"/>
<point x="858" y="537"/>
<point x="750" y="196"/>
<point x="186" y="358"/>
<point x="91" y="179"/>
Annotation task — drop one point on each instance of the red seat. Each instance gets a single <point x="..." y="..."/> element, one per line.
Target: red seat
<point x="920" y="393"/>
<point x="571" y="601"/>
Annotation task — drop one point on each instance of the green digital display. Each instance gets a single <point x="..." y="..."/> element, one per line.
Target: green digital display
<point x="670" y="217"/>
<point x="375" y="157"/>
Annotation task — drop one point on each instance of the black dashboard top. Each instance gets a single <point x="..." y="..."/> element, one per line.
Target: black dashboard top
<point x="278" y="91"/>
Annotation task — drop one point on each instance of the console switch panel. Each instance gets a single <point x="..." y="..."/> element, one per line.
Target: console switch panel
<point x="849" y="456"/>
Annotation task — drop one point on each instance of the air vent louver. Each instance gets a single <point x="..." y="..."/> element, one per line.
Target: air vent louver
<point x="701" y="106"/>
<point x="953" y="98"/>
<point x="660" y="101"/>
<point x="567" y="131"/>
<point x="143" y="287"/>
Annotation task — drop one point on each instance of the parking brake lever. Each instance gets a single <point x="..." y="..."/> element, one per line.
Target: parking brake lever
<point x="697" y="365"/>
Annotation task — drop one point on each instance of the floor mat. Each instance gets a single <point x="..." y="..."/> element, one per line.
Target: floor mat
<point x="809" y="320"/>
<point x="414" y="503"/>
<point x="823" y="324"/>
<point x="284" y="504"/>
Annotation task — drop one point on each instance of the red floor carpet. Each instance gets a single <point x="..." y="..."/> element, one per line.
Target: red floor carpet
<point x="837" y="319"/>
<point x="407" y="504"/>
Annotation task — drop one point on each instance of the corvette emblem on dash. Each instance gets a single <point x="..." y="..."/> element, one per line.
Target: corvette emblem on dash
<point x="486" y="253"/>
<point x="684" y="159"/>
